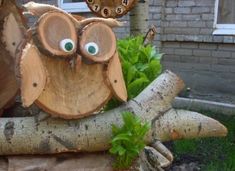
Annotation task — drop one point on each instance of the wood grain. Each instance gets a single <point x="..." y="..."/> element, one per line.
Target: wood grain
<point x="115" y="78"/>
<point x="71" y="93"/>
<point x="33" y="75"/>
<point x="103" y="36"/>
<point x="51" y="29"/>
<point x="110" y="9"/>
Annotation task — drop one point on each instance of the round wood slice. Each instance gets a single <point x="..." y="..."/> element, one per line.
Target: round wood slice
<point x="11" y="28"/>
<point x="33" y="75"/>
<point x="103" y="36"/>
<point x="52" y="28"/>
<point x="71" y="93"/>
<point x="110" y="9"/>
<point x="115" y="78"/>
<point x="12" y="34"/>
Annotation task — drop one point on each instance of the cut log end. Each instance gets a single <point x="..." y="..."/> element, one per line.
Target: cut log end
<point x="32" y="75"/>
<point x="97" y="42"/>
<point x="181" y="124"/>
<point x="115" y="78"/>
<point x="111" y="9"/>
<point x="57" y="35"/>
<point x="12" y="34"/>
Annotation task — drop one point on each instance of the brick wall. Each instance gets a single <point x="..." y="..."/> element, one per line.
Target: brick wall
<point x="154" y="13"/>
<point x="204" y="61"/>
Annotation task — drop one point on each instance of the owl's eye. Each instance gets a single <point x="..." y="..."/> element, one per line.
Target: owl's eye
<point x="92" y="48"/>
<point x="67" y="45"/>
<point x="96" y="47"/>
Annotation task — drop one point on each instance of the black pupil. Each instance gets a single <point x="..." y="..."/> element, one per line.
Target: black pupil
<point x="69" y="46"/>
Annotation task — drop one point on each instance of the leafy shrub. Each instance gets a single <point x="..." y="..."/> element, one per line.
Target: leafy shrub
<point x="128" y="140"/>
<point x="140" y="64"/>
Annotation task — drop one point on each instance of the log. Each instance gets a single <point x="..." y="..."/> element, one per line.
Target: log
<point x="139" y="18"/>
<point x="29" y="135"/>
<point x="97" y="42"/>
<point x="56" y="35"/>
<point x="10" y="21"/>
<point x="110" y="9"/>
<point x="115" y="78"/>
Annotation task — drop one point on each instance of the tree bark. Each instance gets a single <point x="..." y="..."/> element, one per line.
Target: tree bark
<point x="32" y="135"/>
<point x="139" y="18"/>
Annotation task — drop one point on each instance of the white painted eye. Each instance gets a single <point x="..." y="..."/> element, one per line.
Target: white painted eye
<point x="67" y="45"/>
<point x="92" y="48"/>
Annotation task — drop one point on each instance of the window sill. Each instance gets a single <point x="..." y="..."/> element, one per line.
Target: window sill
<point x="76" y="10"/>
<point x="224" y="32"/>
<point x="76" y="7"/>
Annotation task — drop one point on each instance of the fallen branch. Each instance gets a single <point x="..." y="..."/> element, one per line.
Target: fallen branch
<point x="32" y="135"/>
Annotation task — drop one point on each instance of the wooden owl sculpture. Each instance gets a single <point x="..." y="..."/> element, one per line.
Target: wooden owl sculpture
<point x="69" y="66"/>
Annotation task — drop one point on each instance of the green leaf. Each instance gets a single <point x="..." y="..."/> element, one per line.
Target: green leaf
<point x="136" y="86"/>
<point x="131" y="74"/>
<point x="128" y="141"/>
<point x="121" y="137"/>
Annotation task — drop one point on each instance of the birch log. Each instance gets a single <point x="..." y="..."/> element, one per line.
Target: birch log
<point x="31" y="135"/>
<point x="139" y="18"/>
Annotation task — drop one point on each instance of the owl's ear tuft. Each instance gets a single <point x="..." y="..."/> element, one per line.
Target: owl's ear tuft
<point x="56" y="35"/>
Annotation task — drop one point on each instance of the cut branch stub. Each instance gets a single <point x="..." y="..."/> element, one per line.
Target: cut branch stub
<point x="97" y="42"/>
<point x="115" y="78"/>
<point x="33" y="75"/>
<point x="56" y="34"/>
<point x="113" y="9"/>
<point x="71" y="93"/>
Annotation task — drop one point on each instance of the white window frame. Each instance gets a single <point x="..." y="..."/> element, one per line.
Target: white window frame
<point x="222" y="29"/>
<point x="73" y="7"/>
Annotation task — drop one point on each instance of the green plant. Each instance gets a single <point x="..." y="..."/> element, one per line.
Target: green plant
<point x="185" y="146"/>
<point x="140" y="64"/>
<point x="128" y="140"/>
<point x="213" y="154"/>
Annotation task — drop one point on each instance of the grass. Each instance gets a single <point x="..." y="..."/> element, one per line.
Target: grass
<point x="213" y="154"/>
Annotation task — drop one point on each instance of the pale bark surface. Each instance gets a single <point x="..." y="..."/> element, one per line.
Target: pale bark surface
<point x="34" y="135"/>
<point x="139" y="18"/>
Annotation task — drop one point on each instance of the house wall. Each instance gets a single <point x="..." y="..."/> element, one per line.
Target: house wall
<point x="205" y="62"/>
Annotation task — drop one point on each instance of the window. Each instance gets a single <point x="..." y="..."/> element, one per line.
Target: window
<point x="73" y="5"/>
<point x="224" y="17"/>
